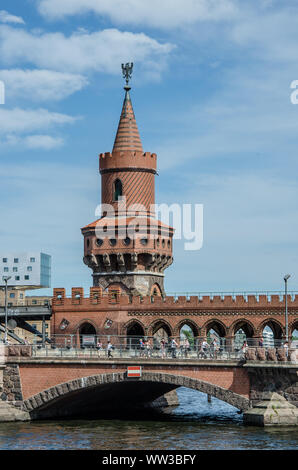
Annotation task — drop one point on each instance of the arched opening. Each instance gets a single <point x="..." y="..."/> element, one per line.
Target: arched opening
<point x="188" y="333"/>
<point x="134" y="333"/>
<point x="160" y="331"/>
<point x="112" y="392"/>
<point x="117" y="189"/>
<point x="294" y="335"/>
<point x="156" y="290"/>
<point x="216" y="331"/>
<point x="272" y="334"/>
<point x="243" y="331"/>
<point x="87" y="335"/>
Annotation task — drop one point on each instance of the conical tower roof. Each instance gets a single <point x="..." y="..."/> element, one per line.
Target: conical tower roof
<point x="127" y="137"/>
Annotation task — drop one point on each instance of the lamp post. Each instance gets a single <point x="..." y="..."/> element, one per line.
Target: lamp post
<point x="6" y="279"/>
<point x="287" y="276"/>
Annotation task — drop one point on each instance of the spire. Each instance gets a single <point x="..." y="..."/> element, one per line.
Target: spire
<point x="127" y="137"/>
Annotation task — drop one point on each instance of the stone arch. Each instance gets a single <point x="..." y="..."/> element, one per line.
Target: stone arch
<point x="156" y="290"/>
<point x="246" y="325"/>
<point x="275" y="325"/>
<point x="85" y="320"/>
<point x="46" y="398"/>
<point x="191" y="324"/>
<point x="216" y="325"/>
<point x="160" y="323"/>
<point x="87" y="328"/>
<point x="130" y="323"/>
<point x="293" y="326"/>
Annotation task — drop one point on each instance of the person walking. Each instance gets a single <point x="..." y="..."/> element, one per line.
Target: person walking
<point x="243" y="350"/>
<point x="109" y="349"/>
<point x="163" y="347"/>
<point x="142" y="347"/>
<point x="174" y="346"/>
<point x="186" y="347"/>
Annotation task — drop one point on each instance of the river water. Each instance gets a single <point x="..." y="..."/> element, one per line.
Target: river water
<point x="194" y="425"/>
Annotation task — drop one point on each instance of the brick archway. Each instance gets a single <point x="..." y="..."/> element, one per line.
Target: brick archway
<point x="160" y="323"/>
<point x="275" y="325"/>
<point x="242" y="323"/>
<point x="216" y="325"/>
<point x="130" y="323"/>
<point x="194" y="327"/>
<point x="50" y="396"/>
<point x="293" y="326"/>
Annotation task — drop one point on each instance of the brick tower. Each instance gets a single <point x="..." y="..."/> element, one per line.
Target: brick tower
<point x="128" y="249"/>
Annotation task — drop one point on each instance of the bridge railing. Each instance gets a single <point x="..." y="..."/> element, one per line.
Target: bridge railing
<point x="115" y="346"/>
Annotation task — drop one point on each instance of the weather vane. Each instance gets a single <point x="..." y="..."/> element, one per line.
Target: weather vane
<point x="127" y="72"/>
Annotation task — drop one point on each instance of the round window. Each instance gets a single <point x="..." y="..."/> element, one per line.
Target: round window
<point x="126" y="241"/>
<point x="144" y="241"/>
<point x="99" y="242"/>
<point x="113" y="241"/>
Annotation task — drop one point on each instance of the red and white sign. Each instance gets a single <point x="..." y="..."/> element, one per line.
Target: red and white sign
<point x="134" y="371"/>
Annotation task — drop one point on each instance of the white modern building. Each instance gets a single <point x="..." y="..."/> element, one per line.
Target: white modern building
<point x="31" y="270"/>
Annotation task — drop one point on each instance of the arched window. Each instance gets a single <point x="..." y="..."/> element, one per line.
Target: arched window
<point x="117" y="189"/>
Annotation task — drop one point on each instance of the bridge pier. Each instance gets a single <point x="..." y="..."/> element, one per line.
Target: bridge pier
<point x="276" y="411"/>
<point x="274" y="395"/>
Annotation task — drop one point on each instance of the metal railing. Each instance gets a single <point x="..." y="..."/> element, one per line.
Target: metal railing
<point x="112" y="346"/>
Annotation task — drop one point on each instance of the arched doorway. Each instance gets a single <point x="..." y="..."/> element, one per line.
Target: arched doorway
<point x="272" y="334"/>
<point x="160" y="330"/>
<point x="294" y="335"/>
<point x="134" y="333"/>
<point x="215" y="330"/>
<point x="188" y="331"/>
<point x="243" y="331"/>
<point x="87" y="334"/>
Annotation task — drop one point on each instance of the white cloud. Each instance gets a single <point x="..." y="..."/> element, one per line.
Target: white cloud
<point x="6" y="17"/>
<point x="40" y="85"/>
<point x="19" y="120"/>
<point x="45" y="142"/>
<point x="80" y="52"/>
<point x="162" y="14"/>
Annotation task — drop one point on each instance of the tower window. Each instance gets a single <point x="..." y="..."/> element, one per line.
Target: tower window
<point x="117" y="189"/>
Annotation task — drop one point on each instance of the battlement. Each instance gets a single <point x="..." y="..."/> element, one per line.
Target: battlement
<point x="127" y="159"/>
<point x="97" y="296"/>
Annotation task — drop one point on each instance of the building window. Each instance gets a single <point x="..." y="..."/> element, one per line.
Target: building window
<point x="9" y="304"/>
<point x="21" y="295"/>
<point x="26" y="278"/>
<point x="16" y="260"/>
<point x="29" y="268"/>
<point x="17" y="278"/>
<point x="12" y="295"/>
<point x="15" y="270"/>
<point x="4" y="260"/>
<point x="32" y="260"/>
<point x="34" y="302"/>
<point x="117" y="189"/>
<point x="6" y="270"/>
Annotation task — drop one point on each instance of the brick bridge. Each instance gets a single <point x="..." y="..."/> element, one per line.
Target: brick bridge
<point x="48" y="387"/>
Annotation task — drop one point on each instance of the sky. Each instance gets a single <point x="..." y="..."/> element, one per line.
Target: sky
<point x="211" y="91"/>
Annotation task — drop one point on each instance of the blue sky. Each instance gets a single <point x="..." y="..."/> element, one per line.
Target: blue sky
<point x="211" y="93"/>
